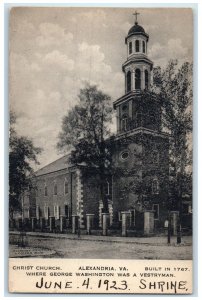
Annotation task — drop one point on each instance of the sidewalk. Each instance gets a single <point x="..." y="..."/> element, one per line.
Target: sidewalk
<point x="152" y="241"/>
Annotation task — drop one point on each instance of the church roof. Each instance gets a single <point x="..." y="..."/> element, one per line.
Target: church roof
<point x="57" y="165"/>
<point x="136" y="29"/>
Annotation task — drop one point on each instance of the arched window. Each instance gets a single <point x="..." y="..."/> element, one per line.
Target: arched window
<point x="55" y="188"/>
<point x="143" y="47"/>
<point x="124" y="122"/>
<point x="45" y="190"/>
<point x="137" y="79"/>
<point x="66" y="187"/>
<point x="130" y="48"/>
<point x="155" y="186"/>
<point x="137" y="46"/>
<point x="146" y="74"/>
<point x="128" y="81"/>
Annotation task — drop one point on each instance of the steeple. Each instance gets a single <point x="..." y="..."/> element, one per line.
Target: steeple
<point x="133" y="110"/>
<point x="138" y="66"/>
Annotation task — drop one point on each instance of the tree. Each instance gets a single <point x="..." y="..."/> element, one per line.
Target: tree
<point x="22" y="153"/>
<point x="85" y="131"/>
<point x="174" y="85"/>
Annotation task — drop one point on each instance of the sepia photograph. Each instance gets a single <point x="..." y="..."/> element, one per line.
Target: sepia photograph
<point x="100" y="142"/>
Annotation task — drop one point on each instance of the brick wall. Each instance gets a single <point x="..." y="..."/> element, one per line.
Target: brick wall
<point x="62" y="197"/>
<point x="142" y="164"/>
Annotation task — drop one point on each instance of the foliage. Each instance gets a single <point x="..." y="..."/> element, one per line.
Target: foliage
<point x="172" y="88"/>
<point x="85" y="132"/>
<point x="174" y="85"/>
<point x="22" y="153"/>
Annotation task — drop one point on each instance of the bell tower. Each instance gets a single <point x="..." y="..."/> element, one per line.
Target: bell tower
<point x="134" y="110"/>
<point x="141" y="148"/>
<point x="138" y="66"/>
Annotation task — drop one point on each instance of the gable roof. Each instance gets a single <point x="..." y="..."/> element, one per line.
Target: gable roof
<point x="59" y="164"/>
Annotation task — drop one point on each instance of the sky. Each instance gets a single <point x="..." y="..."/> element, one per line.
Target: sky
<point x="53" y="52"/>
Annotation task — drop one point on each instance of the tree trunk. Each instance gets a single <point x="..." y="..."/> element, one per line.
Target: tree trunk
<point x="103" y="196"/>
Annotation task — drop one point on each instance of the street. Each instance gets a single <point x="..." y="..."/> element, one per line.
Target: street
<point x="97" y="247"/>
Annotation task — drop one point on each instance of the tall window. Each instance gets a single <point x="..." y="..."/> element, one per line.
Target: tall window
<point x="55" y="188"/>
<point x="156" y="211"/>
<point x="45" y="190"/>
<point x="46" y="212"/>
<point x="56" y="212"/>
<point x="137" y="46"/>
<point x="128" y="81"/>
<point x="137" y="79"/>
<point x="143" y="46"/>
<point x="37" y="212"/>
<point x="146" y="74"/>
<point x="66" y="211"/>
<point x="130" y="48"/>
<point x="66" y="187"/>
<point x="155" y="186"/>
<point x="124" y="122"/>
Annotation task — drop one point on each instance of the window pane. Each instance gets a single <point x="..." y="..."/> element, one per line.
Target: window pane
<point x="137" y="79"/>
<point x="143" y="46"/>
<point x="128" y="81"/>
<point x="130" y="47"/>
<point x="124" y="122"/>
<point x="137" y="46"/>
<point x="66" y="187"/>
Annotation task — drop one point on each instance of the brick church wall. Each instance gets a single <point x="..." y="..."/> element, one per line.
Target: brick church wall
<point x="62" y="198"/>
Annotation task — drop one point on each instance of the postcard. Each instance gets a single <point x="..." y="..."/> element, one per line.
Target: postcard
<point x="100" y="150"/>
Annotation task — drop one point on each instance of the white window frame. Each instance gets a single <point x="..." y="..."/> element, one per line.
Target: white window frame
<point x="46" y="212"/>
<point x="57" y="212"/>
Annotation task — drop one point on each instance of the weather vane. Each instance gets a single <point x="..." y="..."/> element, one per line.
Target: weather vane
<point x="136" y="14"/>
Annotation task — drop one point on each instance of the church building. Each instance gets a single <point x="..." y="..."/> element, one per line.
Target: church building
<point x="138" y="189"/>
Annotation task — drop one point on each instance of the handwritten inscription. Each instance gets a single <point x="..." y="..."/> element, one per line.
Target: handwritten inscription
<point x="159" y="278"/>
